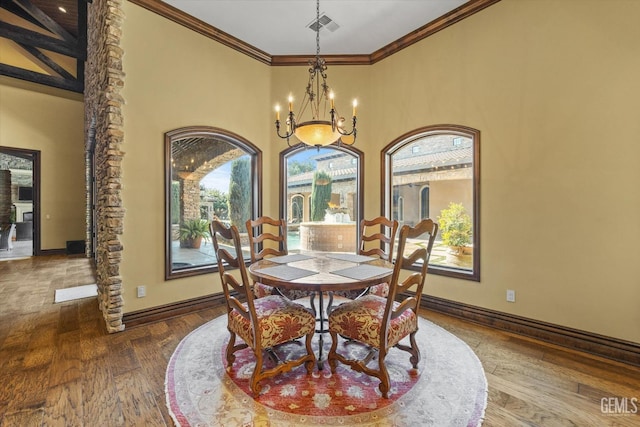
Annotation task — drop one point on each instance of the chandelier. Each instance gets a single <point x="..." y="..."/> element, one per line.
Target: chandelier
<point x="318" y="131"/>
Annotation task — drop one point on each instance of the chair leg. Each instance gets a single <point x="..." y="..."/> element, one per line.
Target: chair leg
<point x="415" y="350"/>
<point x="310" y="363"/>
<point x="385" y="381"/>
<point x="231" y="348"/>
<point x="331" y="357"/>
<point x="257" y="373"/>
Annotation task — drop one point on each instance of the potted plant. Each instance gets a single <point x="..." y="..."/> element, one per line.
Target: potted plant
<point x="455" y="229"/>
<point x="192" y="232"/>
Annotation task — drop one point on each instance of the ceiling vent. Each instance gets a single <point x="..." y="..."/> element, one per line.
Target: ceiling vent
<point x="323" y="22"/>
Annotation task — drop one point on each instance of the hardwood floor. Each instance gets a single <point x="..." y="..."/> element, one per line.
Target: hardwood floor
<point x="59" y="366"/>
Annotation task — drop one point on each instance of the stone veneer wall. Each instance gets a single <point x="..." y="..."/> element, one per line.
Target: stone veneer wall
<point x="104" y="79"/>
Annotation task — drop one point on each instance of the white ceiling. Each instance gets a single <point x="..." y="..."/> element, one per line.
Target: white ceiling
<point x="279" y="27"/>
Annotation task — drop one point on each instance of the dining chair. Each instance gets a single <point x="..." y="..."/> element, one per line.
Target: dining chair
<point x="268" y="238"/>
<point x="380" y="323"/>
<point x="262" y="323"/>
<point x="375" y="230"/>
<point x="382" y="231"/>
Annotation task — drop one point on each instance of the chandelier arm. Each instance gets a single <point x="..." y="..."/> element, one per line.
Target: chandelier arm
<point x="291" y="128"/>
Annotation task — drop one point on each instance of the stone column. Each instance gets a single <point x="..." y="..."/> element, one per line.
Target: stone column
<point x="104" y="80"/>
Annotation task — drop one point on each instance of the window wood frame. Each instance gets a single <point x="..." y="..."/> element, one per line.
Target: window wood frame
<point x="387" y="196"/>
<point x="256" y="167"/>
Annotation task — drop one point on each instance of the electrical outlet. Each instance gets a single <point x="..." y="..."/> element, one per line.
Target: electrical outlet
<point x="511" y="295"/>
<point x="142" y="291"/>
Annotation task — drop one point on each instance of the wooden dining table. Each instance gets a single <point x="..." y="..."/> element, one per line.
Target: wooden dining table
<point x="320" y="273"/>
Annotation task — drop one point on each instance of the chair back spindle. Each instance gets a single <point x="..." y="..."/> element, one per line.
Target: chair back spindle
<point x="376" y="230"/>
<point x="264" y="243"/>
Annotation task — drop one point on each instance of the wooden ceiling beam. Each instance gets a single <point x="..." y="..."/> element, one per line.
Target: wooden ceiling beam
<point x="35" y="39"/>
<point x="34" y="45"/>
<point x="44" y="79"/>
<point x="44" y="61"/>
<point x="45" y="20"/>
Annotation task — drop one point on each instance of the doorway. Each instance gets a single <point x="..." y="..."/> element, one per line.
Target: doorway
<point x="21" y="201"/>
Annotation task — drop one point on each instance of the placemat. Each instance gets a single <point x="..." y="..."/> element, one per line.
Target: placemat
<point x="363" y="271"/>
<point x="351" y="257"/>
<point x="284" y="259"/>
<point x="286" y="272"/>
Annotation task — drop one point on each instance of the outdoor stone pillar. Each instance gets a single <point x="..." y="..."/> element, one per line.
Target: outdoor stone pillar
<point x="190" y="199"/>
<point x="5" y="196"/>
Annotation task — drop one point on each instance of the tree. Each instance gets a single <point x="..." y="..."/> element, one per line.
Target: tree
<point x="220" y="203"/>
<point x="175" y="202"/>
<point x="240" y="193"/>
<point x="296" y="167"/>
<point x="320" y="195"/>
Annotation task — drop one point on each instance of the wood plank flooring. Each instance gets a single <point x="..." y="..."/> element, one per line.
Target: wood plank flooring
<point x="59" y="366"/>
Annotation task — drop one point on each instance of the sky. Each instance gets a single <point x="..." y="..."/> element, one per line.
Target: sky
<point x="219" y="178"/>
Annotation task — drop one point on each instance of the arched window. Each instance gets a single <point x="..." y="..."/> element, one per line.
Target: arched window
<point x="435" y="172"/>
<point x="330" y="179"/>
<point x="209" y="172"/>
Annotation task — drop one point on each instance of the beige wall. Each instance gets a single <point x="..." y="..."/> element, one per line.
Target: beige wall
<point x="550" y="85"/>
<point x="49" y="120"/>
<point x="176" y="78"/>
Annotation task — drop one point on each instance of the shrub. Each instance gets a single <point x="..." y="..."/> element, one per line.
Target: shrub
<point x="455" y="226"/>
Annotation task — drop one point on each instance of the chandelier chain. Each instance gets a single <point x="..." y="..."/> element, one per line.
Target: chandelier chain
<point x="317" y="29"/>
<point x="318" y="131"/>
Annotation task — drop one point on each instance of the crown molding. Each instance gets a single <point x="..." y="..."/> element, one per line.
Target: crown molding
<point x="470" y="8"/>
<point x="279" y="60"/>
<point x="188" y="21"/>
<point x="201" y="27"/>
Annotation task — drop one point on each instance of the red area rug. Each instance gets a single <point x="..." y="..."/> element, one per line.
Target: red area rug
<point x="448" y="388"/>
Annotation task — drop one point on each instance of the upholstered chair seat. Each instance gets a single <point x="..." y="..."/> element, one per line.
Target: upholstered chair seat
<point x="361" y="320"/>
<point x="279" y="320"/>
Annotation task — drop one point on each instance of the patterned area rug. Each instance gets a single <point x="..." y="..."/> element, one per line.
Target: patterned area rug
<point x="448" y="389"/>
